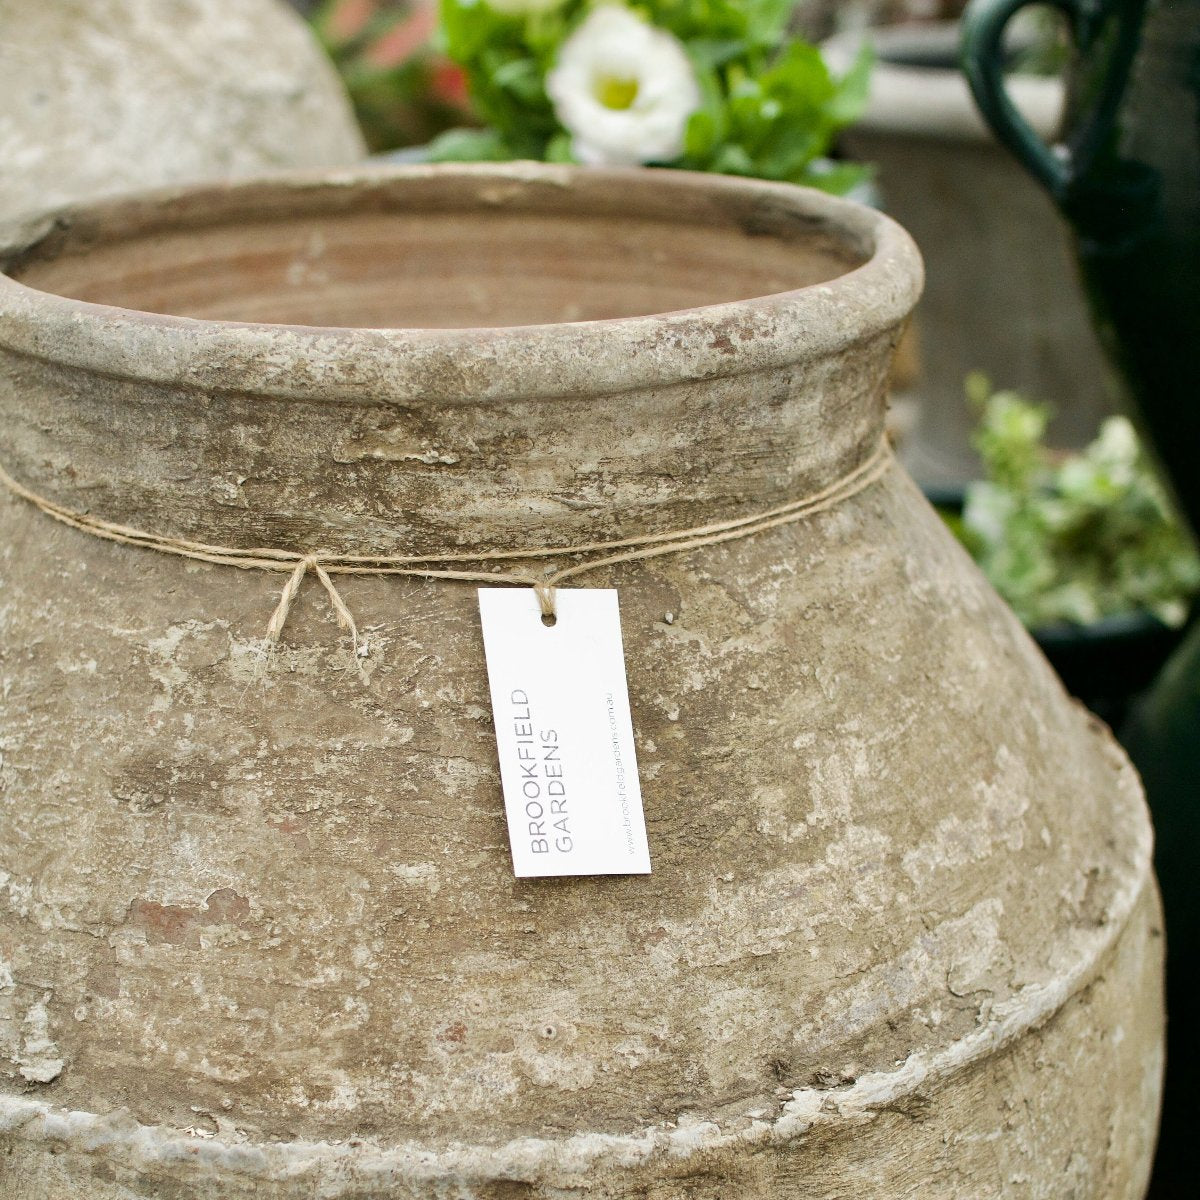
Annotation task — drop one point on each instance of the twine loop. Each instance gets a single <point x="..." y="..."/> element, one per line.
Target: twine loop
<point x="590" y="556"/>
<point x="310" y="562"/>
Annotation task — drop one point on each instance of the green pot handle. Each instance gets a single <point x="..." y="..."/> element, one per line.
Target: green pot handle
<point x="982" y="53"/>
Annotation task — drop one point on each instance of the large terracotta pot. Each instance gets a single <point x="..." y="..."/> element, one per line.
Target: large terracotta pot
<point x="101" y="95"/>
<point x="261" y="936"/>
<point x="1002" y="295"/>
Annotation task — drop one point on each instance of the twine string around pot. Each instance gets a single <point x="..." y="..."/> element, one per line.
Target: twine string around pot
<point x="593" y="555"/>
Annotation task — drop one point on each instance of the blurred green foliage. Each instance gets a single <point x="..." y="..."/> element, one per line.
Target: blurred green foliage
<point x="403" y="90"/>
<point x="1072" y="537"/>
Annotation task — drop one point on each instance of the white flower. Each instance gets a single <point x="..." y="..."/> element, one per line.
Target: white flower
<point x="623" y="89"/>
<point x="517" y="8"/>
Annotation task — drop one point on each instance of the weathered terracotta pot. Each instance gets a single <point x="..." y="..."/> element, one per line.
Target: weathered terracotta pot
<point x="261" y="936"/>
<point x="1002" y="294"/>
<point x="97" y="96"/>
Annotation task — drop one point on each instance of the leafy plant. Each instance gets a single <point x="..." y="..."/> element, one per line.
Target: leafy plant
<point x="767" y="104"/>
<point x="1072" y="537"/>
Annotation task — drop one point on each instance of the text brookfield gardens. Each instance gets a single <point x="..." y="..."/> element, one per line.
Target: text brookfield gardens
<point x="543" y="782"/>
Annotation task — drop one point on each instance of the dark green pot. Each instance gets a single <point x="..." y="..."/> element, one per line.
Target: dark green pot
<point x="1108" y="664"/>
<point x="1163" y="739"/>
<point x="1126" y="175"/>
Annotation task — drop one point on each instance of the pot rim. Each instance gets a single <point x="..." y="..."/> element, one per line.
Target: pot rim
<point x="341" y="364"/>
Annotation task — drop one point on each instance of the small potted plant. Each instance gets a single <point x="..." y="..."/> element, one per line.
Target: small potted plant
<point x="1083" y="545"/>
<point x="704" y="85"/>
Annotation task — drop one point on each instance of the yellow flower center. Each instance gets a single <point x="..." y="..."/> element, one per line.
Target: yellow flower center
<point x="614" y="92"/>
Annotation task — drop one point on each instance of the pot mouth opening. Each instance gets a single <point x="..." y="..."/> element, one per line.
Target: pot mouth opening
<point x="446" y="249"/>
<point x="243" y="270"/>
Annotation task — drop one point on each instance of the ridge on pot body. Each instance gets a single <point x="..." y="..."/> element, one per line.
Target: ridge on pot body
<point x="262" y="930"/>
<point x="1002" y="294"/>
<point x="97" y="96"/>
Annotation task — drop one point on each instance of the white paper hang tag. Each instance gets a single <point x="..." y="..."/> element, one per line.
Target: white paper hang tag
<point x="564" y="733"/>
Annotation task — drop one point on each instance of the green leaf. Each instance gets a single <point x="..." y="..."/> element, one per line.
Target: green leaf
<point x="700" y="136"/>
<point x="850" y="97"/>
<point x="468" y="145"/>
<point x="468" y="26"/>
<point x="767" y="19"/>
<point x="733" y="159"/>
<point x="710" y="53"/>
<point x="837" y="178"/>
<point x="558" y="149"/>
<point x="522" y="77"/>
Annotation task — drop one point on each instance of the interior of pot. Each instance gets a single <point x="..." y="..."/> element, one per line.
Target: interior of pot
<point x="447" y="251"/>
